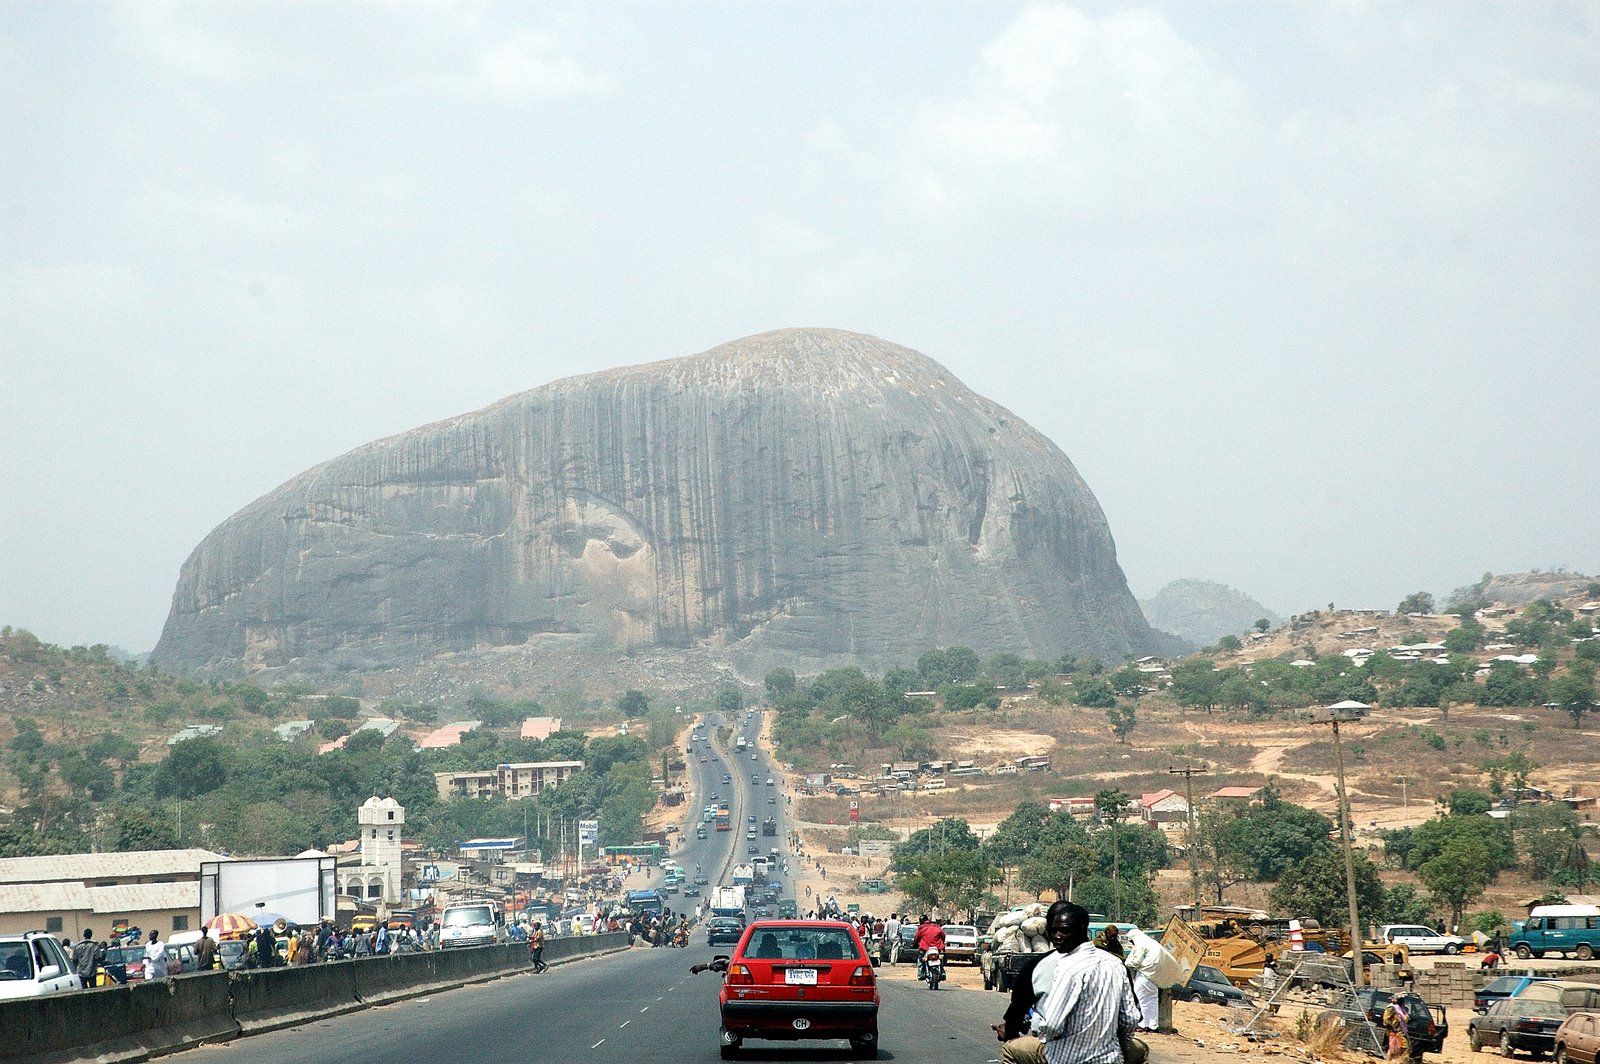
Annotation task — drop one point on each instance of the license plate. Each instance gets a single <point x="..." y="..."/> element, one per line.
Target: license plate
<point x="800" y="976"/>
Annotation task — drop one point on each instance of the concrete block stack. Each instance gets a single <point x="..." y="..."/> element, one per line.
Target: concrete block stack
<point x="1450" y="983"/>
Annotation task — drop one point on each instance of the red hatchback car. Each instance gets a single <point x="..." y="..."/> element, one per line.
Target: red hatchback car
<point x="793" y="979"/>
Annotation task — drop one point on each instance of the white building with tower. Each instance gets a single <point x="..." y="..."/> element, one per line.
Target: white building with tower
<point x="377" y="877"/>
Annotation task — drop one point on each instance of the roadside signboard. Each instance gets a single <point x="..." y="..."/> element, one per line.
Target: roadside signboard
<point x="1185" y="945"/>
<point x="855" y="811"/>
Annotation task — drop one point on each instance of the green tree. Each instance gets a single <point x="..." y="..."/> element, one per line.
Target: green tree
<point x="1433" y="837"/>
<point x="192" y="768"/>
<point x="633" y="704"/>
<point x="1093" y="692"/>
<point x="1457" y="875"/>
<point x="139" y="829"/>
<point x="1197" y="683"/>
<point x="729" y="700"/>
<point x="1575" y="694"/>
<point x="1128" y="681"/>
<point x="1402" y="904"/>
<point x="1229" y="643"/>
<point x="1123" y="720"/>
<point x="1416" y="602"/>
<point x="1262" y="624"/>
<point x="1468" y="801"/>
<point x="1314" y="887"/>
<point x="780" y="682"/>
<point x="951" y="833"/>
<point x="956" y="881"/>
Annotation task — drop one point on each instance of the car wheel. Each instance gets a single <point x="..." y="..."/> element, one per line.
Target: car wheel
<point x="1452" y="949"/>
<point x="1505" y="1046"/>
<point x="1474" y="1041"/>
<point x="1561" y="1055"/>
<point x="1585" y="952"/>
<point x="1523" y="952"/>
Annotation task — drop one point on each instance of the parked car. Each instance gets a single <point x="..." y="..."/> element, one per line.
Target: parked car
<point x="1503" y="987"/>
<point x="1209" y="985"/>
<point x="800" y="979"/>
<point x="120" y="964"/>
<point x="1578" y="1039"/>
<point x="1528" y="1024"/>
<point x="724" y="931"/>
<point x="34" y="965"/>
<point x="232" y="953"/>
<point x="1572" y="995"/>
<point x="1420" y="939"/>
<point x="960" y="943"/>
<point x="1426" y="1025"/>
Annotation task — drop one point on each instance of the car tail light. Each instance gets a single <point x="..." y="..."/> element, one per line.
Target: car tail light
<point x="862" y="976"/>
<point x="739" y="975"/>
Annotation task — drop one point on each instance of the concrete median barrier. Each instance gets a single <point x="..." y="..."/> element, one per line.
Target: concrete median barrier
<point x="119" y="1023"/>
<point x="128" y="1023"/>
<point x="270" y="998"/>
<point x="380" y="980"/>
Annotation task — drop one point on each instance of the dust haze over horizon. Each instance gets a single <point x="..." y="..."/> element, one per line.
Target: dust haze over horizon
<point x="1306" y="292"/>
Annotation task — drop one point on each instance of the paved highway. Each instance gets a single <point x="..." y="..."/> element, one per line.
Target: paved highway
<point x="721" y="850"/>
<point x="639" y="1005"/>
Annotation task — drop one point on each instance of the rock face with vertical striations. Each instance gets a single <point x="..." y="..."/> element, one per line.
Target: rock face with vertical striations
<point x="803" y="498"/>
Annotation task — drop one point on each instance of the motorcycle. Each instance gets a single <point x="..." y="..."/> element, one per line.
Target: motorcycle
<point x="933" y="965"/>
<point x="680" y="938"/>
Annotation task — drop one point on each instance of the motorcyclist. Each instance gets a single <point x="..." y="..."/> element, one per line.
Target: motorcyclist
<point x="929" y="936"/>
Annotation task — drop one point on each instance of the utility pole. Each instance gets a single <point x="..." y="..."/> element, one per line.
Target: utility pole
<point x="1188" y="775"/>
<point x="1336" y="714"/>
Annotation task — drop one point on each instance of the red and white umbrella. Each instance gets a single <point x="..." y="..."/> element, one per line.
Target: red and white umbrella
<point x="229" y="924"/>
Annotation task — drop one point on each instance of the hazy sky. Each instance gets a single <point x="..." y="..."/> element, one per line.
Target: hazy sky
<point x="1307" y="291"/>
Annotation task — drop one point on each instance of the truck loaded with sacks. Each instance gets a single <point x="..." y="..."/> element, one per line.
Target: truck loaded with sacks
<point x="1014" y="937"/>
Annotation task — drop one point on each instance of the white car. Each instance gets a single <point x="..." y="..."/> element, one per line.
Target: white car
<point x="1420" y="939"/>
<point x="33" y="965"/>
<point x="961" y="943"/>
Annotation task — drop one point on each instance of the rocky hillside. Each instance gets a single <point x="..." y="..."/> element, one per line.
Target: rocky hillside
<point x="1203" y="611"/>
<point x="799" y="498"/>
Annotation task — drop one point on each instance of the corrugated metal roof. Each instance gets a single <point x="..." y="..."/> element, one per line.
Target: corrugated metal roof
<point x="86" y="867"/>
<point x="143" y="897"/>
<point x="110" y="901"/>
<point x="43" y="897"/>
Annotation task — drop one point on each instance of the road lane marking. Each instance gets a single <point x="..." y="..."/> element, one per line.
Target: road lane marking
<point x="598" y="1044"/>
<point x="623" y="1024"/>
<point x="645" y="1009"/>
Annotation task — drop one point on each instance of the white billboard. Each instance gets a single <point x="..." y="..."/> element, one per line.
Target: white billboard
<point x="299" y="889"/>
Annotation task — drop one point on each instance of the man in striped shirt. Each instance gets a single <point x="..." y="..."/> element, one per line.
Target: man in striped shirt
<point x="1090" y="1003"/>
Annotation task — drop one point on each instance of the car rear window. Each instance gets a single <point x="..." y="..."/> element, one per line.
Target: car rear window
<point x="1537" y="1007"/>
<point x="802" y="944"/>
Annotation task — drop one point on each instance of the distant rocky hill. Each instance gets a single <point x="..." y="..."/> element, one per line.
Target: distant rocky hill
<point x="1518" y="589"/>
<point x="1203" y="611"/>
<point x="800" y="498"/>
